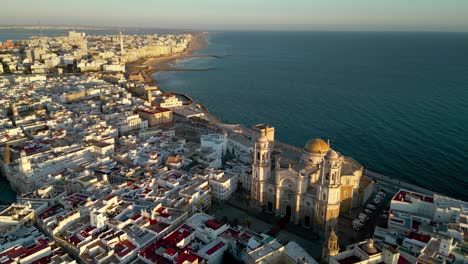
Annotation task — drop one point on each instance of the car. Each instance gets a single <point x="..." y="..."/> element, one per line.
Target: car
<point x="368" y="211"/>
<point x="377" y="201"/>
<point x="384" y="216"/>
<point x="370" y="206"/>
<point x="357" y="222"/>
<point x="357" y="228"/>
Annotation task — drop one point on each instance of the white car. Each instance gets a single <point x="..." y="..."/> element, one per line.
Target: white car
<point x="357" y="228"/>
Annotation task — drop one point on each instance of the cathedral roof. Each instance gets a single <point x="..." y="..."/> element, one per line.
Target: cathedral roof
<point x="262" y="138"/>
<point x="332" y="154"/>
<point x="316" y="146"/>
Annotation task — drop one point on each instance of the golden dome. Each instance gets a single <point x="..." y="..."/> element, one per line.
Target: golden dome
<point x="316" y="146"/>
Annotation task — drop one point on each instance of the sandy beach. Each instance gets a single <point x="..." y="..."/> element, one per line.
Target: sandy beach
<point x="151" y="65"/>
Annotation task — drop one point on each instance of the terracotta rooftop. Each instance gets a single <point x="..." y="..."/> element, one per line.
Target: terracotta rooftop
<point x="404" y="196"/>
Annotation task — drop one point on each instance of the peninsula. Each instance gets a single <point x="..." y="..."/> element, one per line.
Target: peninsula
<point x="108" y="168"/>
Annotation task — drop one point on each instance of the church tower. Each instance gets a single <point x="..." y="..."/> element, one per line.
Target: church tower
<point x="6" y="154"/>
<point x="261" y="170"/>
<point x="328" y="193"/>
<point x="122" y="51"/>
<point x="330" y="248"/>
<point x="24" y="165"/>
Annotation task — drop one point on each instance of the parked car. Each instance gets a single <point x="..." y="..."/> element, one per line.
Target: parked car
<point x="368" y="211"/>
<point x="370" y="206"/>
<point x="357" y="222"/>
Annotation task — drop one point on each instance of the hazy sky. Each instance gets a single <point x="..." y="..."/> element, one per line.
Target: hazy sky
<point x="444" y="15"/>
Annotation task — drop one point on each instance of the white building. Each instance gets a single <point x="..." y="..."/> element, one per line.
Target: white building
<point x="114" y="68"/>
<point x="223" y="184"/>
<point x="366" y="253"/>
<point x="170" y="101"/>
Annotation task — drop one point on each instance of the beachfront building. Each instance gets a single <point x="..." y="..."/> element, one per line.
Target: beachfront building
<point x="156" y="115"/>
<point x="311" y="187"/>
<point x="169" y="100"/>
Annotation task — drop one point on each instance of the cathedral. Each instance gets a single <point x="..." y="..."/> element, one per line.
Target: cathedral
<point x="311" y="185"/>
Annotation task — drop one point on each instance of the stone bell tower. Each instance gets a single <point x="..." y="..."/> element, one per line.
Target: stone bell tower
<point x="330" y="247"/>
<point x="328" y="193"/>
<point x="261" y="170"/>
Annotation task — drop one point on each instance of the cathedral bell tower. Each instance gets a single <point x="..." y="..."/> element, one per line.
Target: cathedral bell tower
<point x="261" y="170"/>
<point x="330" y="247"/>
<point x="328" y="193"/>
<point x="24" y="164"/>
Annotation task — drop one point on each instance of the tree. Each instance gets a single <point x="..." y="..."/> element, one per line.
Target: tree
<point x="247" y="222"/>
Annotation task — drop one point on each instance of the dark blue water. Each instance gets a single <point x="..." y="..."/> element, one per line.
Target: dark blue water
<point x="396" y="102"/>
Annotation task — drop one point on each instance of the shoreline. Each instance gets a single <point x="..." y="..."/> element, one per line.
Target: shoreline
<point x="148" y="66"/>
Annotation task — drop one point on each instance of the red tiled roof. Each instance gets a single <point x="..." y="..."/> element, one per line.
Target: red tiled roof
<point x="232" y="233"/>
<point x="175" y="237"/>
<point x="419" y="237"/>
<point x="22" y="252"/>
<point x="185" y="257"/>
<point x="74" y="240"/>
<point x="401" y="196"/>
<point x="135" y="217"/>
<point x="402" y="260"/>
<point x="213" y="224"/>
<point x="109" y="197"/>
<point x="150" y="254"/>
<point x="170" y="252"/>
<point x="124" y="248"/>
<point x="215" y="248"/>
<point x="349" y="260"/>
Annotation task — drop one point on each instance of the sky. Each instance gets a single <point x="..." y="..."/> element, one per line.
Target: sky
<point x="431" y="15"/>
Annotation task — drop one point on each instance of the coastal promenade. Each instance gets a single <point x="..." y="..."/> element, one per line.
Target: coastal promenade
<point x="199" y="42"/>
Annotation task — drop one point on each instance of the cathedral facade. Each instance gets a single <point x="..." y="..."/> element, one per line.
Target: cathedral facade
<point x="312" y="188"/>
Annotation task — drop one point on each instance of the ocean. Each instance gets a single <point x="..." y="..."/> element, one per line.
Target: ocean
<point x="397" y="102"/>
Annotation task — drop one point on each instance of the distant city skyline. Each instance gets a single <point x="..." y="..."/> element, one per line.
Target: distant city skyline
<point x="430" y="15"/>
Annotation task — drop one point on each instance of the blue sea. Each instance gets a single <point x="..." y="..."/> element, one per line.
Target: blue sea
<point x="396" y="102"/>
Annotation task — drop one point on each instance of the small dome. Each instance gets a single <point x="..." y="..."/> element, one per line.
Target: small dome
<point x="316" y="146"/>
<point x="332" y="154"/>
<point x="262" y="139"/>
<point x="369" y="247"/>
